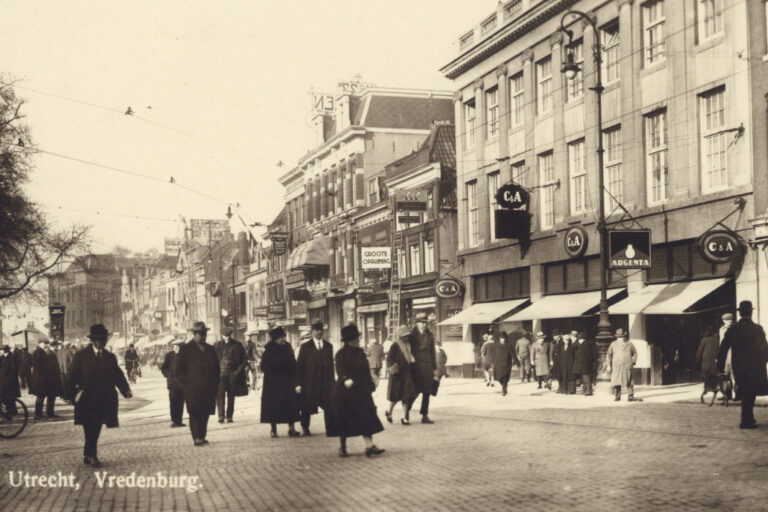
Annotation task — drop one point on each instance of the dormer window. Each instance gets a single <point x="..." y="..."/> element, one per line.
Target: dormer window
<point x="466" y="40"/>
<point x="513" y="8"/>
<point x="488" y="25"/>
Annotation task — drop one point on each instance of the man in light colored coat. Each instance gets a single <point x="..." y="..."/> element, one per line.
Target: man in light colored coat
<point x="621" y="357"/>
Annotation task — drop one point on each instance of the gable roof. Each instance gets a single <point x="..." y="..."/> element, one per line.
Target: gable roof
<point x="439" y="146"/>
<point x="401" y="112"/>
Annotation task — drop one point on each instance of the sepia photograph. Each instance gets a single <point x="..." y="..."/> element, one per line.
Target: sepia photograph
<point x="425" y="255"/>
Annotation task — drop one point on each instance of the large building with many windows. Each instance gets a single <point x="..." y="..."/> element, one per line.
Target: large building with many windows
<point x="684" y="136"/>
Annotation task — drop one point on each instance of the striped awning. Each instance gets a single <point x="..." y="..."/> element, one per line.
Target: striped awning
<point x="313" y="253"/>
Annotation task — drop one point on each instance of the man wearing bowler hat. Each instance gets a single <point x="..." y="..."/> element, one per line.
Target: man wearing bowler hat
<point x="425" y="368"/>
<point x="746" y="340"/>
<point x="175" y="390"/>
<point x="232" y="380"/>
<point x="314" y="375"/>
<point x="91" y="384"/>
<point x="198" y="372"/>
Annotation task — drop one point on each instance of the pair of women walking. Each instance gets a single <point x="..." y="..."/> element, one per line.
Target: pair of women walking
<point x="350" y="412"/>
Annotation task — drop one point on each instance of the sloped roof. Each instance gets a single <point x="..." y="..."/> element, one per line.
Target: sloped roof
<point x="439" y="146"/>
<point x="406" y="112"/>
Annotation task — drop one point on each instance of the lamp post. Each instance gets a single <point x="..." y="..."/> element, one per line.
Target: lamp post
<point x="570" y="70"/>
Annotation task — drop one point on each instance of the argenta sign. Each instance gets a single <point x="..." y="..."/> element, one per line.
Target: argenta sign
<point x="629" y="249"/>
<point x="719" y="246"/>
<point x="375" y="258"/>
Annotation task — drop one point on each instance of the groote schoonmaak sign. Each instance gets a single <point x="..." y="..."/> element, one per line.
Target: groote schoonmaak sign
<point x="376" y="258"/>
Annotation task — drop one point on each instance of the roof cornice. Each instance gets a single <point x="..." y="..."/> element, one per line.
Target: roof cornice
<point x="504" y="36"/>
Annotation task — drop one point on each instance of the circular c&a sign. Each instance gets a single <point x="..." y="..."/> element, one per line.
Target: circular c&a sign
<point x="512" y="197"/>
<point x="575" y="241"/>
<point x="447" y="287"/>
<point x="719" y="246"/>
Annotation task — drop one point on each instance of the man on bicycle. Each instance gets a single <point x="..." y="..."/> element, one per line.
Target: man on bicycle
<point x="131" y="362"/>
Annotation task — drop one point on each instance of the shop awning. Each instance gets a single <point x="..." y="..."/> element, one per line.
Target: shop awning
<point x="313" y="253"/>
<point x="667" y="299"/>
<point x="484" y="312"/>
<point x="569" y="305"/>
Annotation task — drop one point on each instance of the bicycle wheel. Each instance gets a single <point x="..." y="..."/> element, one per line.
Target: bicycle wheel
<point x="13" y="422"/>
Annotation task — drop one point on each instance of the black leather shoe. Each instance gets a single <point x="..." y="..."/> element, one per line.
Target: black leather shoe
<point x="174" y="425"/>
<point x="404" y="421"/>
<point x="293" y="433"/>
<point x="181" y="424"/>
<point x="273" y="434"/>
<point x="95" y="462"/>
<point x="425" y="419"/>
<point x="388" y="415"/>
<point x="221" y="420"/>
<point x="87" y="461"/>
<point x="198" y="442"/>
<point x="203" y="441"/>
<point x="749" y="426"/>
<point x="229" y="420"/>
<point x="306" y="432"/>
<point x="342" y="452"/>
<point x="370" y="452"/>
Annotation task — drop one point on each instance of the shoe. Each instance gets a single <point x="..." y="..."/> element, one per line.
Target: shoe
<point x="95" y="462"/>
<point x="493" y="384"/>
<point x="203" y="441"/>
<point x="404" y="421"/>
<point x="293" y="433"/>
<point x="370" y="452"/>
<point x="633" y="399"/>
<point x="425" y="419"/>
<point x="388" y="415"/>
<point x="539" y="386"/>
<point x="273" y="434"/>
<point x="87" y="461"/>
<point x="221" y="420"/>
<point x="487" y="384"/>
<point x="342" y="451"/>
<point x="38" y="417"/>
<point x="198" y="442"/>
<point x="617" y="399"/>
<point x="174" y="425"/>
<point x="229" y="420"/>
<point x="51" y="416"/>
<point x="503" y="393"/>
<point x="750" y="426"/>
<point x="306" y="432"/>
<point x="181" y="424"/>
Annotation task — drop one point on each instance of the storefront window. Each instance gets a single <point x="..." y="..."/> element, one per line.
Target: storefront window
<point x="575" y="279"/>
<point x="554" y="278"/>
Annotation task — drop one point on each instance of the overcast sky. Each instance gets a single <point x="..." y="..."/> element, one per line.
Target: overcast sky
<point x="228" y="89"/>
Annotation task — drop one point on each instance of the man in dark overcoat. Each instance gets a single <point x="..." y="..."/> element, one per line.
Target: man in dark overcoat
<point x="314" y="375"/>
<point x="556" y="355"/>
<point x="425" y="368"/>
<point x="232" y="359"/>
<point x="198" y="372"/>
<point x="568" y="358"/>
<point x="175" y="389"/>
<point x="502" y="362"/>
<point x="90" y="384"/>
<point x="583" y="362"/>
<point x="749" y="354"/>
<point x="45" y="382"/>
<point x="24" y="361"/>
<point x="706" y="355"/>
<point x="9" y="379"/>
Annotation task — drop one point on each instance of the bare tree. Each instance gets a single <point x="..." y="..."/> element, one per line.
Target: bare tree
<point x="29" y="246"/>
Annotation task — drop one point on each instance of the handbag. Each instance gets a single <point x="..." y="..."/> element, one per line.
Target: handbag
<point x="435" y="387"/>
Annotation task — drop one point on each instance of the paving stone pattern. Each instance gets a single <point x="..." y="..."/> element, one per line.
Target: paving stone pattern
<point x="531" y="450"/>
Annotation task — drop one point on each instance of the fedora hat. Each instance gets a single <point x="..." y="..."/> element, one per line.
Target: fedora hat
<point x="620" y="333"/>
<point x="199" y="327"/>
<point x="98" y="331"/>
<point x="349" y="333"/>
<point x="317" y="325"/>
<point x="422" y="317"/>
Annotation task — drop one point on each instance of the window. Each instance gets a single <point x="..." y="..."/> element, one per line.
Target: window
<point x="493" y="186"/>
<point x="544" y="80"/>
<point x="609" y="39"/>
<point x="656" y="156"/>
<point x="518" y="169"/>
<point x="429" y="256"/>
<point x="472" y="220"/>
<point x="469" y="122"/>
<point x="488" y="25"/>
<point x="614" y="180"/>
<point x="578" y="175"/>
<point x="373" y="191"/>
<point x="492" y="109"/>
<point x="516" y="100"/>
<point x="653" y="33"/>
<point x="710" y="18"/>
<point x="576" y="85"/>
<point x="714" y="140"/>
<point x="546" y="180"/>
<point x="513" y="8"/>
<point x="415" y="261"/>
<point x="466" y="40"/>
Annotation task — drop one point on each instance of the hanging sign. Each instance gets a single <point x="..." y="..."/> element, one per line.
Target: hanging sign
<point x="373" y="258"/>
<point x="629" y="249"/>
<point x="513" y="197"/>
<point x="447" y="287"/>
<point x="513" y="224"/>
<point x="575" y="241"/>
<point x="279" y="241"/>
<point x="411" y="200"/>
<point x="719" y="246"/>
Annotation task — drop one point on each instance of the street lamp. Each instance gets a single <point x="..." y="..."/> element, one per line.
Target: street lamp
<point x="570" y="69"/>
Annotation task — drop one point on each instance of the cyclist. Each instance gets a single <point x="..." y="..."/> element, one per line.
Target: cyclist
<point x="131" y="362"/>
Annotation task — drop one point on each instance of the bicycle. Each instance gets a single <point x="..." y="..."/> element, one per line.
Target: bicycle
<point x="133" y="373"/>
<point x="12" y="422"/>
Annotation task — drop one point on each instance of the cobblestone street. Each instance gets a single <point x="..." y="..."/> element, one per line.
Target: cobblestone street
<point x="530" y="450"/>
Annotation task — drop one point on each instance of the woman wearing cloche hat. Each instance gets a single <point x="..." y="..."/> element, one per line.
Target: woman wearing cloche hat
<point x="278" y="398"/>
<point x="352" y="411"/>
<point x="400" y="363"/>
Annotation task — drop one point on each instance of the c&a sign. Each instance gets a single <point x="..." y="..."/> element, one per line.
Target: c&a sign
<point x="720" y="246"/>
<point x="512" y="197"/>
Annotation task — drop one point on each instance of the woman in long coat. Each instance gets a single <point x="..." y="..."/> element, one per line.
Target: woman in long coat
<point x="278" y="397"/>
<point x="400" y="363"/>
<point x="353" y="412"/>
<point x="502" y="362"/>
<point x="541" y="359"/>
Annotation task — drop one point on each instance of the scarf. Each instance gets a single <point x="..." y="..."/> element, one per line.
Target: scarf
<point x="405" y="348"/>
